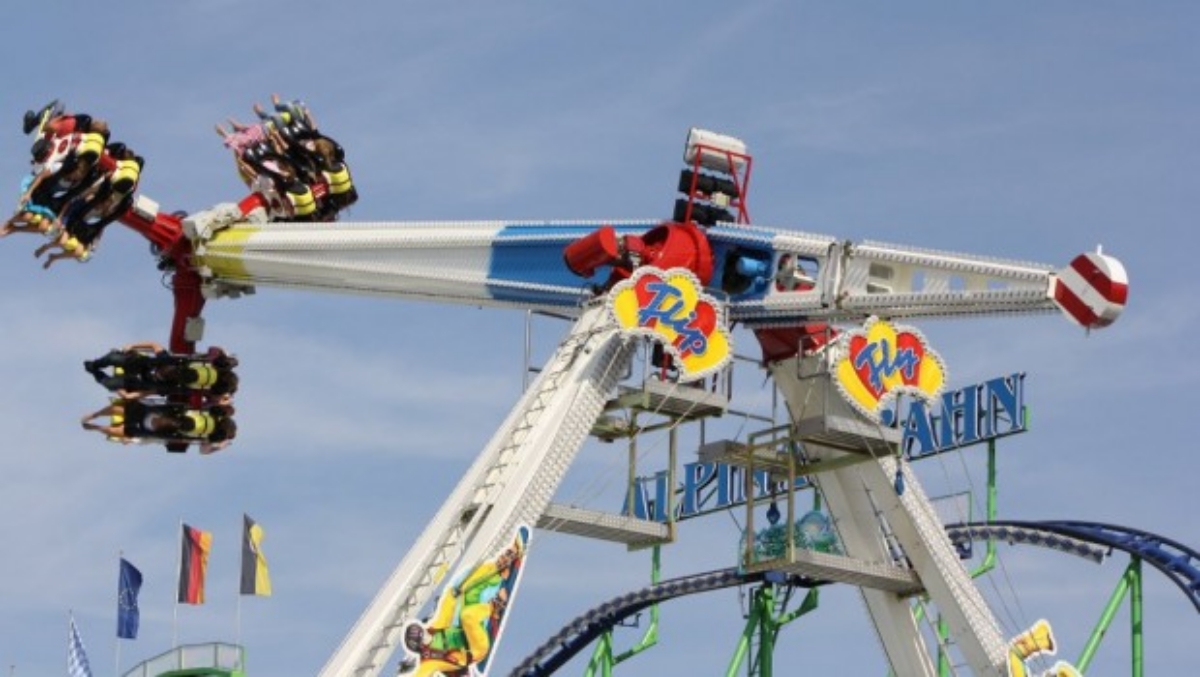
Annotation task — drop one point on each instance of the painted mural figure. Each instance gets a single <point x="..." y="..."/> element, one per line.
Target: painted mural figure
<point x="1038" y="640"/>
<point x="458" y="639"/>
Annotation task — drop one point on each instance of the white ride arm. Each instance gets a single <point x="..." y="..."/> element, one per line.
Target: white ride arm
<point x="510" y="484"/>
<point x="480" y="263"/>
<point x="818" y="278"/>
<point x="796" y="277"/>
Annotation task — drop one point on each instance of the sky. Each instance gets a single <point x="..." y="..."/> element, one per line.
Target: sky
<point x="1030" y="131"/>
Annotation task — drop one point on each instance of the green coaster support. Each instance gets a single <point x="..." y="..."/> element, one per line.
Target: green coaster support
<point x="603" y="660"/>
<point x="763" y="624"/>
<point x="1130" y="584"/>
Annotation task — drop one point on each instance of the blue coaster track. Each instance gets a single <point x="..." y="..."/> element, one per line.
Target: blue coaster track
<point x="1090" y="540"/>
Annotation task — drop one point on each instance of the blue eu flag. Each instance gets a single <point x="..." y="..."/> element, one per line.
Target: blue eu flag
<point x="127" y="607"/>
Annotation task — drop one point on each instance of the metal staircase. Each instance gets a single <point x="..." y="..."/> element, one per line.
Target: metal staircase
<point x="510" y="484"/>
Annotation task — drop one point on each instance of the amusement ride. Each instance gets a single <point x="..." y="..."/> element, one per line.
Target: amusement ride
<point x="829" y="316"/>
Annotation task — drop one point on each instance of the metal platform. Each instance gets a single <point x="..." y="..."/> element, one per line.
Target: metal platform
<point x="825" y="567"/>
<point x="849" y="434"/>
<point x="635" y="533"/>
<point x="679" y="401"/>
<point x="769" y="456"/>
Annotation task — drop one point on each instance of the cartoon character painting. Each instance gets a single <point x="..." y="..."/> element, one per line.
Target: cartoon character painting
<point x="459" y="638"/>
<point x="1038" y="640"/>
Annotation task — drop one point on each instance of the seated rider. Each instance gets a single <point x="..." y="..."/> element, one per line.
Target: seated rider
<point x="191" y="378"/>
<point x="128" y="365"/>
<point x="120" y="411"/>
<point x="36" y="120"/>
<point x="276" y="174"/>
<point x="135" y="419"/>
<point x="77" y="237"/>
<point x="31" y="216"/>
<point x="217" y="357"/>
<point x="300" y="172"/>
<point x="34" y="212"/>
<point x="316" y="157"/>
<point x="288" y="112"/>
<point x="65" y="125"/>
<point x="71" y="166"/>
<point x="87" y="215"/>
<point x="62" y="169"/>
<point x="148" y="367"/>
<point x="52" y="120"/>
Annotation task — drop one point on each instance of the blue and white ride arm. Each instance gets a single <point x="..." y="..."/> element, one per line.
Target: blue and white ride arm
<point x="781" y="278"/>
<point x="481" y="263"/>
<point x="769" y="277"/>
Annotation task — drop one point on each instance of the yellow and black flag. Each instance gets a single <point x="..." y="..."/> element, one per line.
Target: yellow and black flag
<point x="255" y="578"/>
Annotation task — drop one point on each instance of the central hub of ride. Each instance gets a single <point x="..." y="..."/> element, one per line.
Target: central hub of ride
<point x="715" y="181"/>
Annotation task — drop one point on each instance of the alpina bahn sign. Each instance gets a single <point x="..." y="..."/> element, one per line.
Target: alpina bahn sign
<point x="964" y="417"/>
<point x="958" y="418"/>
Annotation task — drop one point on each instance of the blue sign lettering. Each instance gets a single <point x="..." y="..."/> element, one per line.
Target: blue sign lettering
<point x="704" y="488"/>
<point x="967" y="416"/>
<point x="666" y="307"/>
<point x="880" y="365"/>
<point x="971" y="415"/>
<point x="696" y="476"/>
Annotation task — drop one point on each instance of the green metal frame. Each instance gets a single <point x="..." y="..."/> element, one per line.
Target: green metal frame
<point x="767" y="613"/>
<point x="763" y="622"/>
<point x="603" y="660"/>
<point x="1130" y="584"/>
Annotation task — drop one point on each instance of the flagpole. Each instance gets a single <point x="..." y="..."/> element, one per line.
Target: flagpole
<point x="237" y="625"/>
<point x="178" y="573"/>
<point x="237" y="622"/>
<point x="120" y="556"/>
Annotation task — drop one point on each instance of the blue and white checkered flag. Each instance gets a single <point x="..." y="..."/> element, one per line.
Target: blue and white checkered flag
<point x="77" y="660"/>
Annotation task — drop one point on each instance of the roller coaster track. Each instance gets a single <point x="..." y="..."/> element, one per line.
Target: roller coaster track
<point x="579" y="633"/>
<point x="1089" y="540"/>
<point x="1176" y="561"/>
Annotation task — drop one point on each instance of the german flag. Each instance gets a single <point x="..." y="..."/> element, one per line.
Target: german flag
<point x="255" y="578"/>
<point x="193" y="564"/>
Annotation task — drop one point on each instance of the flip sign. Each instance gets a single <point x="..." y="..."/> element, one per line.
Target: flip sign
<point x="881" y="361"/>
<point x="669" y="307"/>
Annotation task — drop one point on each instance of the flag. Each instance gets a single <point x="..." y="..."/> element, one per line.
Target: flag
<point x="77" y="660"/>
<point x="255" y="578"/>
<point x="129" y="583"/>
<point x="193" y="563"/>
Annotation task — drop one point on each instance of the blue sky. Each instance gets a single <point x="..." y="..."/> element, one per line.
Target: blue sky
<point x="1031" y="131"/>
